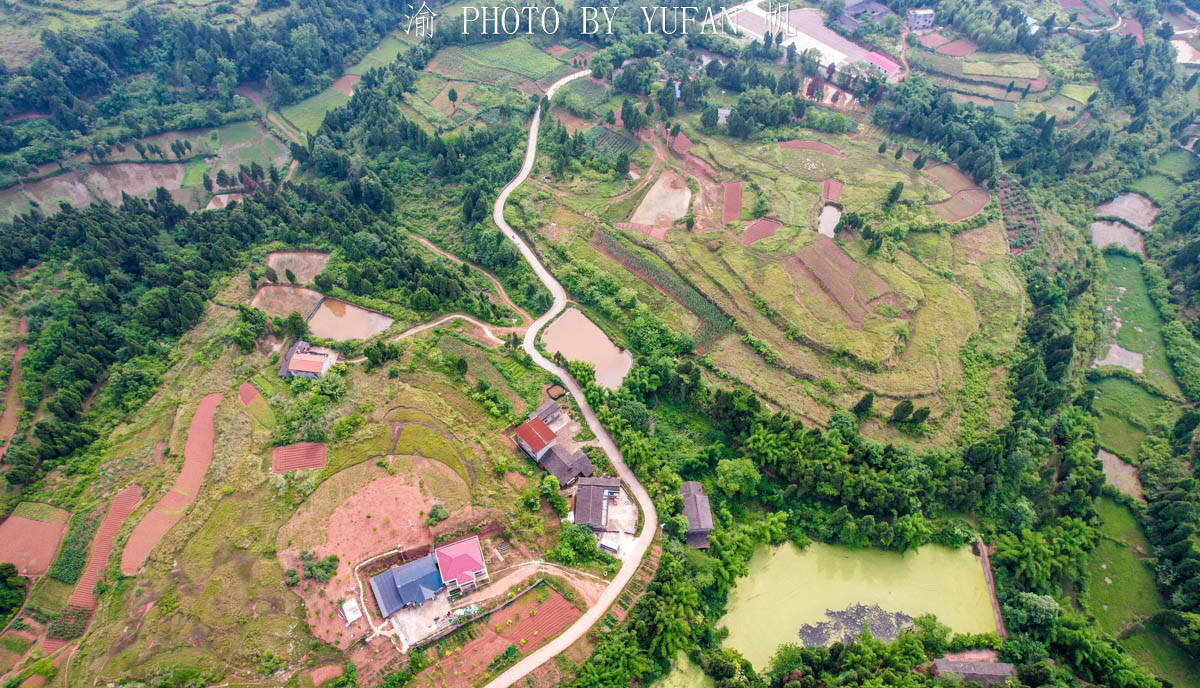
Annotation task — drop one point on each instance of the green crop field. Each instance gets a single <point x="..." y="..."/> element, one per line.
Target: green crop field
<point x="516" y="55"/>
<point x="194" y="174"/>
<point x="245" y="143"/>
<point x="610" y="142"/>
<point x="418" y="439"/>
<point x="1005" y="109"/>
<point x="1156" y="187"/>
<point x="1153" y="647"/>
<point x="1176" y="163"/>
<point x="1122" y="592"/>
<point x="1141" y="326"/>
<point x="714" y="324"/>
<point x="1078" y="92"/>
<point x="1125" y="410"/>
<point x="1122" y="583"/>
<point x="994" y="65"/>
<point x="1129" y="399"/>
<point x="380" y="56"/>
<point x="453" y="63"/>
<point x="1119" y="436"/>
<point x="588" y="91"/>
<point x="308" y="114"/>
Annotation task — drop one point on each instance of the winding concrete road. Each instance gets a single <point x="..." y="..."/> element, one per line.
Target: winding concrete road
<point x="650" y="521"/>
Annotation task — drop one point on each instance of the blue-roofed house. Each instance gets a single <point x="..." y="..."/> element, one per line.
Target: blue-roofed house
<point x="407" y="585"/>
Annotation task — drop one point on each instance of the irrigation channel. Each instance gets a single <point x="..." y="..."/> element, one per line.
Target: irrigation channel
<point x="650" y="521"/>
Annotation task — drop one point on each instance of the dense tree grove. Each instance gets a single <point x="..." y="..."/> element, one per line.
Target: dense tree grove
<point x="12" y="590"/>
<point x="995" y="26"/>
<point x="397" y="164"/>
<point x="971" y="137"/>
<point x="155" y="71"/>
<point x="139" y="275"/>
<point x="1179" y="248"/>
<point x="1135" y="75"/>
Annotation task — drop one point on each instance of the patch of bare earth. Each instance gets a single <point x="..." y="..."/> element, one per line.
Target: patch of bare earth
<point x="1118" y="356"/>
<point x="666" y="202"/>
<point x="219" y="201"/>
<point x="732" y="209"/>
<point x="12" y="395"/>
<point x="134" y="178"/>
<point x="282" y="300"/>
<point x="852" y="287"/>
<point x="356" y="514"/>
<point x="961" y="205"/>
<point x="305" y="265"/>
<point x="345" y="83"/>
<point x="1120" y="475"/>
<point x="760" y="229"/>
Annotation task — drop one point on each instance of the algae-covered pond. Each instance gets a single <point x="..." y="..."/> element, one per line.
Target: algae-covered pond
<point x="791" y="592"/>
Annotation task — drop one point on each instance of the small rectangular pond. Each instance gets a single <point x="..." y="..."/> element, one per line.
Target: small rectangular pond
<point x="341" y="321"/>
<point x="816" y="595"/>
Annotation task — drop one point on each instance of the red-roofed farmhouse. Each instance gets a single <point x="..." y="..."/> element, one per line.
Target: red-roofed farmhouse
<point x="535" y="437"/>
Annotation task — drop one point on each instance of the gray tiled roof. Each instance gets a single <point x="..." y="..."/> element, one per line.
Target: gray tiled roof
<point x="404" y="586"/>
<point x="696" y="508"/>
<point x="591" y="502"/>
<point x="566" y="467"/>
<point x="550" y="408"/>
<point x="982" y="672"/>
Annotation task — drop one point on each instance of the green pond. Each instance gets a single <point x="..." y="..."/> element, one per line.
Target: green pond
<point x="788" y="588"/>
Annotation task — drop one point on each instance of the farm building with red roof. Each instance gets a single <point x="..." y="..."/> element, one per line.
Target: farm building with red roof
<point x="883" y="63"/>
<point x="304" y="360"/>
<point x="535" y="437"/>
<point x="462" y="566"/>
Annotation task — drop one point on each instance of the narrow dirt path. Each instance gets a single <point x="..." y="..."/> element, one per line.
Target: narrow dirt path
<point x="985" y="560"/>
<point x="631" y="564"/>
<point x="12" y="398"/>
<point x="526" y="319"/>
<point x="487" y="330"/>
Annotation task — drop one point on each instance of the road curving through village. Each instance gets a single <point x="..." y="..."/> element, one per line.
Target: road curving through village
<point x="650" y="519"/>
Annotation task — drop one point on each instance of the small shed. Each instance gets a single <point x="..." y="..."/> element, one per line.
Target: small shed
<point x="698" y="512"/>
<point x="547" y="412"/>
<point x="986" y="673"/>
<point x="351" y="611"/>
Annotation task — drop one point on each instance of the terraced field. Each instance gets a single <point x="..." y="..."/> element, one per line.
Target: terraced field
<point x="824" y="319"/>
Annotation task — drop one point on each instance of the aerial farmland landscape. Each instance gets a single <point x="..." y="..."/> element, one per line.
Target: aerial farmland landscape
<point x="760" y="345"/>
